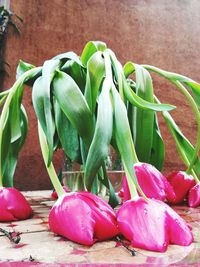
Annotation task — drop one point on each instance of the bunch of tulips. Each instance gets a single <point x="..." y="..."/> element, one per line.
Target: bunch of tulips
<point x="84" y="105"/>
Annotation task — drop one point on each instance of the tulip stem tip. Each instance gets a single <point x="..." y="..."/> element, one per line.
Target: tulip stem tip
<point x="133" y="252"/>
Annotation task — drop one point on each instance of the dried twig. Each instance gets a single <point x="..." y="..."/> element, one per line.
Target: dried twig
<point x="12" y="236"/>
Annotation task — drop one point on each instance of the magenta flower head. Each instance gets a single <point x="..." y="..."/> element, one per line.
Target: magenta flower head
<point x="13" y="205"/>
<point x="152" y="225"/>
<point x="194" y="196"/>
<point x="152" y="182"/>
<point x="181" y="183"/>
<point x="83" y="218"/>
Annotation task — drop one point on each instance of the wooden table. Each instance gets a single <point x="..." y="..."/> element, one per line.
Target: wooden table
<point x="39" y="247"/>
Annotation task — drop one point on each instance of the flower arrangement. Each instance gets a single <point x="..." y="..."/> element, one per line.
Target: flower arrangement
<point x="84" y="105"/>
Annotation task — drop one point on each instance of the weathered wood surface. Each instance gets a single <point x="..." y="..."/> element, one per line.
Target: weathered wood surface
<point x="39" y="247"/>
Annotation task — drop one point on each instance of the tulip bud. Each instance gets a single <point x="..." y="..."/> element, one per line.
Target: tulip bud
<point x="83" y="218"/>
<point x="194" y="196"/>
<point x="181" y="183"/>
<point x="13" y="205"/>
<point x="152" y="225"/>
<point x="153" y="183"/>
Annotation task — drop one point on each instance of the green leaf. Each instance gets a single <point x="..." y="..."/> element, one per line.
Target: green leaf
<point x="137" y="101"/>
<point x="13" y="150"/>
<point x="77" y="73"/>
<point x="184" y="147"/>
<point x="195" y="88"/>
<point x="173" y="77"/>
<point x="74" y="105"/>
<point x="90" y="48"/>
<point x="22" y="68"/>
<point x="41" y="97"/>
<point x="69" y="56"/>
<point x="99" y="148"/>
<point x="157" y="149"/>
<point x="143" y="123"/>
<point x="94" y="78"/>
<point x="67" y="133"/>
<point x="132" y="97"/>
<point x="118" y="71"/>
<point x="14" y="114"/>
<point x="129" y="68"/>
<point x="122" y="135"/>
<point x="103" y="178"/>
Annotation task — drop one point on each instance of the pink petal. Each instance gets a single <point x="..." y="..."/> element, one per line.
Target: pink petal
<point x="152" y="225"/>
<point x="13" y="206"/>
<point x="143" y="223"/>
<point x="179" y="231"/>
<point x="194" y="196"/>
<point x="152" y="182"/>
<point x="72" y="218"/>
<point x="181" y="183"/>
<point x="84" y="218"/>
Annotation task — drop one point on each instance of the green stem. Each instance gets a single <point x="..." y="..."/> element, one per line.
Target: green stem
<point x="5" y="109"/>
<point x="173" y="78"/>
<point x="180" y="150"/>
<point x="4" y="93"/>
<point x="131" y="185"/>
<point x="197" y="116"/>
<point x="50" y="169"/>
<point x="2" y="100"/>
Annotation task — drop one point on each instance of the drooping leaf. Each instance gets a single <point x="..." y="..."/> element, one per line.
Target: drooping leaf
<point x="14" y="114"/>
<point x="132" y="97"/>
<point x="67" y="94"/>
<point x="69" y="56"/>
<point x="67" y="133"/>
<point x="41" y="97"/>
<point x="143" y="122"/>
<point x="90" y="48"/>
<point x="14" y="149"/>
<point x="99" y="148"/>
<point x="94" y="78"/>
<point x="123" y="138"/>
<point x="157" y="150"/>
<point x="24" y="67"/>
<point x="77" y="73"/>
<point x="184" y="147"/>
<point x="174" y="77"/>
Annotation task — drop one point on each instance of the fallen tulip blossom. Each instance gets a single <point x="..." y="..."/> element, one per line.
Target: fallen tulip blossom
<point x="83" y="218"/>
<point x="54" y="194"/>
<point x="13" y="205"/>
<point x="153" y="183"/>
<point x="181" y="183"/>
<point x="194" y="196"/>
<point x="152" y="225"/>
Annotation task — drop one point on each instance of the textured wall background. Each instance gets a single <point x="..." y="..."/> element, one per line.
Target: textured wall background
<point x="161" y="33"/>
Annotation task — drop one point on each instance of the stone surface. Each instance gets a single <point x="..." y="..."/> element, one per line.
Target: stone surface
<point x="39" y="247"/>
<point x="161" y="33"/>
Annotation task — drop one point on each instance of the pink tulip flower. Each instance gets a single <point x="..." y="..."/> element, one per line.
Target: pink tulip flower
<point x="152" y="182"/>
<point x="194" y="196"/>
<point x="181" y="183"/>
<point x="54" y="194"/>
<point x="152" y="225"/>
<point x="83" y="218"/>
<point x="13" y="205"/>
